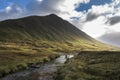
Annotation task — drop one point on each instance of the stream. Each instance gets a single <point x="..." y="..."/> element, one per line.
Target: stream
<point x="45" y="71"/>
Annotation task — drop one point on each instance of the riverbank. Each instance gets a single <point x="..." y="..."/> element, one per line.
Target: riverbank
<point x="46" y="71"/>
<point x="20" y="61"/>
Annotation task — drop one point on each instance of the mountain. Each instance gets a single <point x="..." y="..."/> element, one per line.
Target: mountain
<point x="49" y="27"/>
<point x="46" y="29"/>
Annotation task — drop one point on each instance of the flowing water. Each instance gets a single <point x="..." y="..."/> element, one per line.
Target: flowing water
<point x="45" y="71"/>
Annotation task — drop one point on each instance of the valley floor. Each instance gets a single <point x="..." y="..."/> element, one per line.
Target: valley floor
<point x="17" y="56"/>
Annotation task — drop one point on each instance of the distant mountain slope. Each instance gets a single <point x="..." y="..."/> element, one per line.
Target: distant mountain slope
<point x="49" y="27"/>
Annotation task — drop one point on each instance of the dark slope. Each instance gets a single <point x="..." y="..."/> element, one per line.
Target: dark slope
<point x="49" y="27"/>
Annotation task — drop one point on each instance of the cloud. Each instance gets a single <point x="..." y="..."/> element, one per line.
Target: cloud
<point x="11" y="11"/>
<point x="99" y="17"/>
<point x="113" y="20"/>
<point x="63" y="8"/>
<point x="111" y="38"/>
<point x="44" y="6"/>
<point x="96" y="11"/>
<point x="102" y="9"/>
<point x="8" y="9"/>
<point x="96" y="27"/>
<point x="90" y="16"/>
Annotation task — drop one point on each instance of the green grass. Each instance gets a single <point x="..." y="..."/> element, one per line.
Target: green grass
<point x="92" y="65"/>
<point x="15" y="61"/>
<point x="15" y="56"/>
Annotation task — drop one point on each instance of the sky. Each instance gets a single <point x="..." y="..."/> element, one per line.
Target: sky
<point x="98" y="18"/>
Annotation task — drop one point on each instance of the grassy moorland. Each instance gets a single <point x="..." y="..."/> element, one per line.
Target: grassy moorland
<point x="17" y="56"/>
<point x="92" y="65"/>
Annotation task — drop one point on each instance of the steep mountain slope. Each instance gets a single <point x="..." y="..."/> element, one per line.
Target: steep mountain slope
<point x="49" y="27"/>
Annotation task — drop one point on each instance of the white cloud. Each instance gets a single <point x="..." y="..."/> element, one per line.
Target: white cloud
<point x="96" y="27"/>
<point x="63" y="8"/>
<point x="112" y="38"/>
<point x="8" y="9"/>
<point x="102" y="9"/>
<point x="70" y="6"/>
<point x="115" y="28"/>
<point x="11" y="11"/>
<point x="40" y="0"/>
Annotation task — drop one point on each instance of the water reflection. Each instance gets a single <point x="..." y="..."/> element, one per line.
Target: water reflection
<point x="63" y="58"/>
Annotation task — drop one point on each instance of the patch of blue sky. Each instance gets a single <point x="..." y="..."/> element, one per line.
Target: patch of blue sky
<point x="5" y="3"/>
<point x="87" y="6"/>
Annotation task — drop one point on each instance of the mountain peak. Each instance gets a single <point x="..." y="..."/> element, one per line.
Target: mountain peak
<point x="52" y="14"/>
